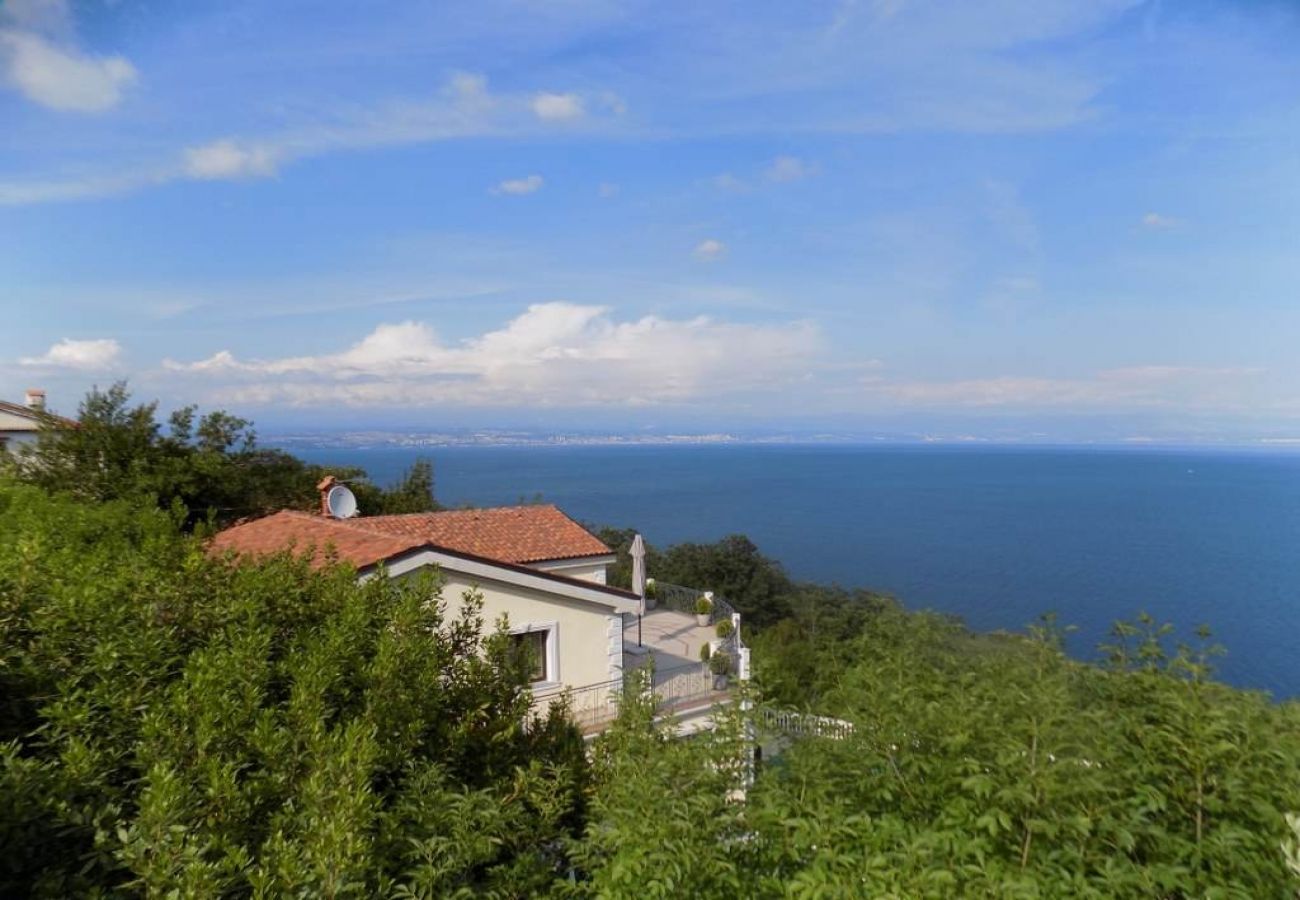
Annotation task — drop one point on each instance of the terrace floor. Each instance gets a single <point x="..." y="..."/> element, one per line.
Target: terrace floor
<point x="684" y="689"/>
<point x="673" y="637"/>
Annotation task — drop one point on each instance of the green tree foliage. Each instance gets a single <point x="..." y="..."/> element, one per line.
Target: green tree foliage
<point x="177" y="725"/>
<point x="209" y="464"/>
<point x="997" y="766"/>
<point x="174" y="725"/>
<point x="980" y="766"/>
<point x="757" y="586"/>
<point x="665" y="820"/>
<point x="413" y="493"/>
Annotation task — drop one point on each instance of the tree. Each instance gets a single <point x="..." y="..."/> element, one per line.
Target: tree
<point x="413" y="493"/>
<point x="210" y="465"/>
<point x="177" y="724"/>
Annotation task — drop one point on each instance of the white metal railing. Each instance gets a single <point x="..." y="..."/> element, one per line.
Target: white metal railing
<point x="592" y="706"/>
<point x="797" y="724"/>
<point x="683" y="599"/>
<point x="683" y="686"/>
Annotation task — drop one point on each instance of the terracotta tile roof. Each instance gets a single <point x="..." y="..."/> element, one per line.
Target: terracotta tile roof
<point x="514" y="534"/>
<point x="509" y="534"/>
<point x="300" y="531"/>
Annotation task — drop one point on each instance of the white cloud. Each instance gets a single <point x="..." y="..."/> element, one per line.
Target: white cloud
<point x="60" y="76"/>
<point x="518" y="186"/>
<point x="227" y="159"/>
<point x="728" y="182"/>
<point x="558" y="107"/>
<point x="709" y="250"/>
<point x="788" y="168"/>
<point x="465" y="107"/>
<point x="553" y="354"/>
<point x="469" y="88"/>
<point x="613" y="103"/>
<point x="1160" y="222"/>
<point x="72" y="354"/>
<point x="782" y="170"/>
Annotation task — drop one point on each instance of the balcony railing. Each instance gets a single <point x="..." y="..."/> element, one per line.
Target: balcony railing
<point x="797" y="724"/>
<point x="683" y="599"/>
<point x="594" y="706"/>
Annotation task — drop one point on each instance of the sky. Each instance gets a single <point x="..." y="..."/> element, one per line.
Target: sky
<point x="1058" y="220"/>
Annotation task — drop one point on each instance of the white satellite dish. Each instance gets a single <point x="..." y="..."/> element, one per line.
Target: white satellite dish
<point x="341" y="502"/>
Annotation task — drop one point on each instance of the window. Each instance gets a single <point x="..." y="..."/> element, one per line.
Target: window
<point x="535" y="644"/>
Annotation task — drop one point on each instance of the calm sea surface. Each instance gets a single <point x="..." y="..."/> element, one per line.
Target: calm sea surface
<point x="996" y="536"/>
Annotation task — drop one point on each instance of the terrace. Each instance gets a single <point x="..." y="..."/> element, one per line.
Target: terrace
<point x="668" y="638"/>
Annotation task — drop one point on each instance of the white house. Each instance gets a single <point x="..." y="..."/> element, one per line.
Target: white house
<point x="19" y="424"/>
<point x="539" y="569"/>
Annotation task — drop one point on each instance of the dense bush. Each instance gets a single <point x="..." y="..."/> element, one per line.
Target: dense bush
<point x="978" y="767"/>
<point x="998" y="766"/>
<point x="176" y="725"/>
<point x="171" y="723"/>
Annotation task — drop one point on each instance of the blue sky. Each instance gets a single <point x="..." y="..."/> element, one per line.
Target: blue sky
<point x="1014" y="219"/>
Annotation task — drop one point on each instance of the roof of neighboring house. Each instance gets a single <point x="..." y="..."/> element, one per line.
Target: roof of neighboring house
<point x="34" y="416"/>
<point x="515" y="534"/>
<point x="509" y="534"/>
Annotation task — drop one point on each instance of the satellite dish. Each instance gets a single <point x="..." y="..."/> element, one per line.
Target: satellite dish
<point x="341" y="502"/>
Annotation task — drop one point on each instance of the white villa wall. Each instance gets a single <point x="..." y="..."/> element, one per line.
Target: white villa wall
<point x="587" y="569"/>
<point x="16" y="430"/>
<point x="13" y="422"/>
<point x="587" y="638"/>
<point x="12" y="440"/>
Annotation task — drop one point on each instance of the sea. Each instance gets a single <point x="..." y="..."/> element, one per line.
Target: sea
<point x="996" y="535"/>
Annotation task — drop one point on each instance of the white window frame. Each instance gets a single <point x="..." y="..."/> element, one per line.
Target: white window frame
<point x="552" y="650"/>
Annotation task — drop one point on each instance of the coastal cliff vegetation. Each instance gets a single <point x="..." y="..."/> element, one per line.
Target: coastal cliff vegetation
<point x="177" y="725"/>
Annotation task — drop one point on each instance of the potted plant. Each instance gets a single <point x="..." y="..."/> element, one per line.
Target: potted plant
<point x="703" y="611"/>
<point x="651" y="594"/>
<point x="706" y="650"/>
<point x="720" y="666"/>
<point x="725" y="629"/>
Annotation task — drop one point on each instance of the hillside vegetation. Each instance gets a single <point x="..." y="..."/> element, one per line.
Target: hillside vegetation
<point x="175" y="725"/>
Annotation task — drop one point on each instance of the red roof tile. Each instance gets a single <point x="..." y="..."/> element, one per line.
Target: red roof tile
<point x="303" y="532"/>
<point x="510" y="534"/>
<point x="515" y="534"/>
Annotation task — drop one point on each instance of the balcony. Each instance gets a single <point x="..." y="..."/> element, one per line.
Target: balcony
<point x="669" y="639"/>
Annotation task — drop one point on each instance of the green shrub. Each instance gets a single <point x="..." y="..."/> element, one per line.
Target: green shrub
<point x="173" y="724"/>
<point x="725" y="629"/>
<point x="703" y="606"/>
<point x="705" y="651"/>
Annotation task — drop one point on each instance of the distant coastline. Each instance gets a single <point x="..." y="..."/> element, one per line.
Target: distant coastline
<point x="369" y="439"/>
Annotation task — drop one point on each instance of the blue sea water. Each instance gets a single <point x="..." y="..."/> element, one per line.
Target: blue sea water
<point x="997" y="536"/>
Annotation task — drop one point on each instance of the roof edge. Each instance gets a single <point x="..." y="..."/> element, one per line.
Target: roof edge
<point x="518" y="568"/>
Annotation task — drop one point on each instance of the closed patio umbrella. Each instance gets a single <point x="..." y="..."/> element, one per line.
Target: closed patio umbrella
<point x="638" y="580"/>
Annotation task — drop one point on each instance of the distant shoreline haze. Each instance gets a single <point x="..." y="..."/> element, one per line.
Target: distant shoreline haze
<point x="380" y="438"/>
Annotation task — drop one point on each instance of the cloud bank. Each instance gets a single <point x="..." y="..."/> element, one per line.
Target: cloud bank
<point x="553" y="354"/>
